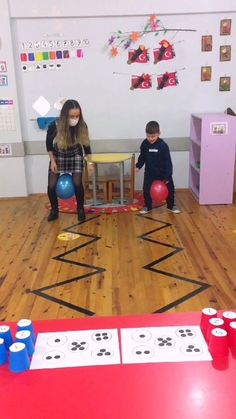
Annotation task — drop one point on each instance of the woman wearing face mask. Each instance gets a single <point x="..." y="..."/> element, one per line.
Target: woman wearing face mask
<point x="67" y="140"/>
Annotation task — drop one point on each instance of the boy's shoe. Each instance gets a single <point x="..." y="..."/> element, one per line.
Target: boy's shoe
<point x="145" y="210"/>
<point x="53" y="215"/>
<point x="81" y="214"/>
<point x="175" y="210"/>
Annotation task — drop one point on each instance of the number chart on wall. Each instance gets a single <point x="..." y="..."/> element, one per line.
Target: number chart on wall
<point x="124" y="71"/>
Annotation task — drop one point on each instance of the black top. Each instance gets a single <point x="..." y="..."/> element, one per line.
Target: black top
<point x="156" y="158"/>
<point x="51" y="134"/>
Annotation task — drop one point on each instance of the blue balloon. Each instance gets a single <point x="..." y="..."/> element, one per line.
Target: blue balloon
<point x="65" y="187"/>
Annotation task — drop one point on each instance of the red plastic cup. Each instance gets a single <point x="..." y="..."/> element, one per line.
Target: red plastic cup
<point x="228" y="316"/>
<point x="207" y="313"/>
<point x="212" y="324"/>
<point x="218" y="343"/>
<point x="232" y="335"/>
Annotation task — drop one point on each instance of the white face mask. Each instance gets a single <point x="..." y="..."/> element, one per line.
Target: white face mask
<point x="73" y="122"/>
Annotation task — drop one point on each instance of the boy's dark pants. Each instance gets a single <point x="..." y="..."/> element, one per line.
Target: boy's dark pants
<point x="147" y="182"/>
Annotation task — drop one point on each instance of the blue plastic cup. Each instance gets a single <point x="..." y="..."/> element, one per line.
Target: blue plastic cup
<point x="5" y="333"/>
<point x="25" y="337"/>
<point x="19" y="359"/>
<point x="26" y="324"/>
<point x="3" y="352"/>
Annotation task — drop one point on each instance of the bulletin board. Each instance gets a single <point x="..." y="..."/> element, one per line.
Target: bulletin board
<point x="102" y="84"/>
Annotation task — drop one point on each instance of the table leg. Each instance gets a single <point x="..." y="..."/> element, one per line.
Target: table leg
<point x="94" y="186"/>
<point x="122" y="183"/>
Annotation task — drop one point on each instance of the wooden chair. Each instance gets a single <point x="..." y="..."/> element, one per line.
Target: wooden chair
<point x="101" y="186"/>
<point x="114" y="184"/>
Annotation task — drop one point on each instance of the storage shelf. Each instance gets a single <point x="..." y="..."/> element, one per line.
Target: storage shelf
<point x="214" y="151"/>
<point x="195" y="168"/>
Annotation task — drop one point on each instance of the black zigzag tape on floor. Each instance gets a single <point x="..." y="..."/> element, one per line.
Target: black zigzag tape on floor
<point x="61" y="257"/>
<point x="202" y="286"/>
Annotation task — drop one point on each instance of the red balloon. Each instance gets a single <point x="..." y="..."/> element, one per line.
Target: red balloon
<point x="159" y="191"/>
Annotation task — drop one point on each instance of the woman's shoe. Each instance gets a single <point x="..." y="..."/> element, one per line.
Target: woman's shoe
<point x="53" y="215"/>
<point x="81" y="214"/>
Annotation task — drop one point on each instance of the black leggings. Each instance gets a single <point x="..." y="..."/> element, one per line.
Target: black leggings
<point x="79" y="189"/>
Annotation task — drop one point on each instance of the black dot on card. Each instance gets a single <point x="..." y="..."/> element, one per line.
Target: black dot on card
<point x="97" y="334"/>
<point x="169" y="344"/>
<point x="147" y="352"/>
<point x="138" y="352"/>
<point x="183" y="335"/>
<point x="190" y="334"/>
<point x="48" y="357"/>
<point x="108" y="353"/>
<point x="99" y="354"/>
<point x="106" y="337"/>
<point x="74" y="348"/>
<point x="161" y="344"/>
<point x="74" y="343"/>
<point x="160" y="339"/>
<point x="196" y="350"/>
<point x="104" y="333"/>
<point x="142" y="336"/>
<point x="57" y="340"/>
<point x="168" y="338"/>
<point x="181" y="331"/>
<point x="102" y="350"/>
<point x="81" y="348"/>
<point x="98" y="339"/>
<point x="191" y="346"/>
<point x="188" y="330"/>
<point x="57" y="357"/>
<point x="83" y="343"/>
<point x="188" y="350"/>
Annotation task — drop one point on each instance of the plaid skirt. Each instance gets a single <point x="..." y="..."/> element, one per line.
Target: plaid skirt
<point x="69" y="161"/>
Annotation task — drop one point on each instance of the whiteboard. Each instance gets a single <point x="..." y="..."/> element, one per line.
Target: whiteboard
<point x="111" y="109"/>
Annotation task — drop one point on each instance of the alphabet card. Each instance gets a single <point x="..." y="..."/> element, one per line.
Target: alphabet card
<point x="76" y="349"/>
<point x="163" y="344"/>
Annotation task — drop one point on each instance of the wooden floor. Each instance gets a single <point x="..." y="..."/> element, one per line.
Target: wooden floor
<point x="120" y="264"/>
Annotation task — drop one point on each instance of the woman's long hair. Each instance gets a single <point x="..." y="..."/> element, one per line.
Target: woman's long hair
<point x="68" y="136"/>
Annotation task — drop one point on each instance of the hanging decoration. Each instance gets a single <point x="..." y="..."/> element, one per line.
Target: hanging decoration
<point x="123" y="40"/>
<point x="144" y="80"/>
<point x="165" y="52"/>
<point x="167" y="80"/>
<point x="139" y="55"/>
<point x="141" y="82"/>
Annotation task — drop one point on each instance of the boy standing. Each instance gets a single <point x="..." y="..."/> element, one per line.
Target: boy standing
<point x="155" y="154"/>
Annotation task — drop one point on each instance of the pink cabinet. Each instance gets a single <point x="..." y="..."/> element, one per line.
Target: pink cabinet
<point x="212" y="157"/>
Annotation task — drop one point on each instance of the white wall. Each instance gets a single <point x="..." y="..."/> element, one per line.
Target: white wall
<point x="12" y="170"/>
<point x="13" y="179"/>
<point x="45" y="8"/>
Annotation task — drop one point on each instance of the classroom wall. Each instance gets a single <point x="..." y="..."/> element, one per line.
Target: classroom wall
<point x="29" y="161"/>
<point x="12" y="169"/>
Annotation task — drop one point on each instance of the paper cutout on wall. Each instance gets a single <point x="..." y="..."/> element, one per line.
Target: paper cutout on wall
<point x="122" y="40"/>
<point x="41" y="106"/>
<point x="167" y="80"/>
<point x="139" y="55"/>
<point x="165" y="52"/>
<point x="141" y="82"/>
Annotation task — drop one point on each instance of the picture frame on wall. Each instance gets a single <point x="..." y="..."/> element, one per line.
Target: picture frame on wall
<point x="206" y="73"/>
<point x="225" y="27"/>
<point x="219" y="128"/>
<point x="224" y="84"/>
<point x="3" y="66"/>
<point x="225" y="53"/>
<point x="206" y="43"/>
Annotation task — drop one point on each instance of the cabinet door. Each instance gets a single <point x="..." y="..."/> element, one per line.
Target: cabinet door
<point x="217" y="170"/>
